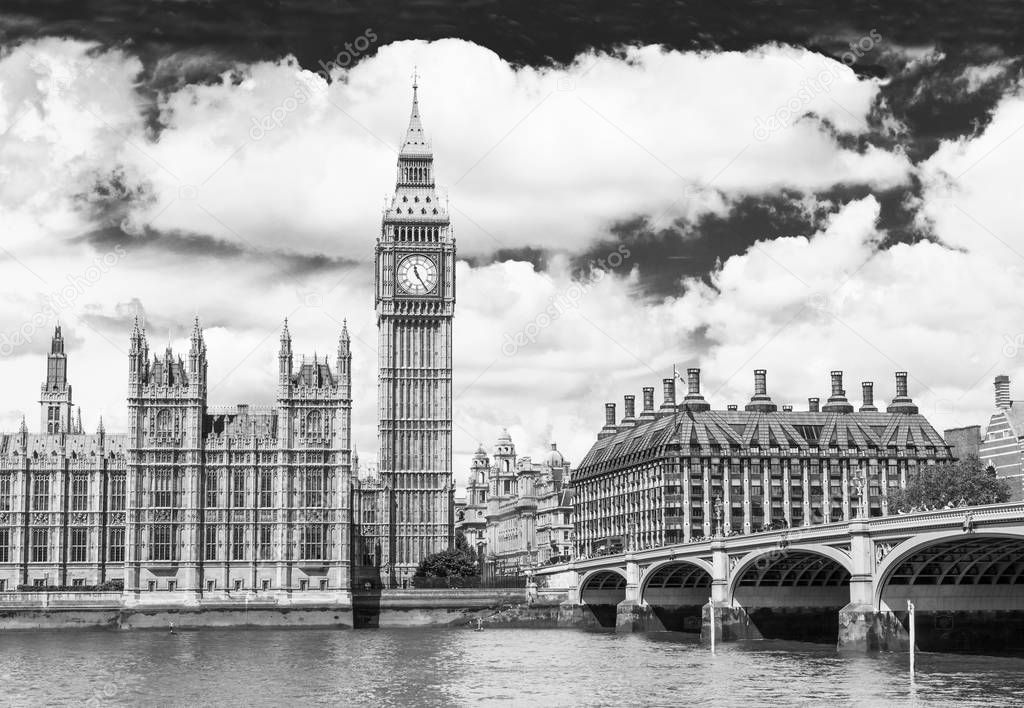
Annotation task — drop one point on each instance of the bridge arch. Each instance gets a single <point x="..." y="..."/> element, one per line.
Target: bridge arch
<point x="795" y="592"/>
<point x="601" y="591"/>
<point x="676" y="591"/>
<point x="952" y="541"/>
<point x="967" y="588"/>
<point x="784" y="560"/>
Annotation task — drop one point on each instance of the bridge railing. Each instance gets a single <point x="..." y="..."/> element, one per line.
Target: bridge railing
<point x="1009" y="510"/>
<point x="953" y="515"/>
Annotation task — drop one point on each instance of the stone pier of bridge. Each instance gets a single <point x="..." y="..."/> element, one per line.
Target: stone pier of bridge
<point x="845" y="584"/>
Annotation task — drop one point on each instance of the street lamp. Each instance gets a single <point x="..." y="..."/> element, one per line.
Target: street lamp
<point x="859" y="483"/>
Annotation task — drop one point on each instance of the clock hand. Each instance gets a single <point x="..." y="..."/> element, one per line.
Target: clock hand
<point x="420" y="279"/>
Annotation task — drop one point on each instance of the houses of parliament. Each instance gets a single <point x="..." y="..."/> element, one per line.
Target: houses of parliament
<point x="201" y="500"/>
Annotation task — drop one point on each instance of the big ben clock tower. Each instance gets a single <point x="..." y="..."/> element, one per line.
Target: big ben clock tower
<point x="415" y="301"/>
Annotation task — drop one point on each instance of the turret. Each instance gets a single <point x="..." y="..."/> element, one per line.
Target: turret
<point x="284" y="359"/>
<point x="344" y="355"/>
<point x="55" y="404"/>
<point x="197" y="355"/>
<point x="138" y="354"/>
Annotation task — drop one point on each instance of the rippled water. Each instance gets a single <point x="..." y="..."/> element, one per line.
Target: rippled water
<point x="460" y="667"/>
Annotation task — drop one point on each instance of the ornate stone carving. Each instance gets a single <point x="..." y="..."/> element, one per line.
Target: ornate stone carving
<point x="882" y="549"/>
<point x="734" y="560"/>
<point x="79" y="518"/>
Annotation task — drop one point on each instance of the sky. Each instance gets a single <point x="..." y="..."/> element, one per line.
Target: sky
<point x="798" y="187"/>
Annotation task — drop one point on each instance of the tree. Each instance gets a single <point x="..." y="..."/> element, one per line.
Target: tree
<point x="456" y="562"/>
<point x="961" y="483"/>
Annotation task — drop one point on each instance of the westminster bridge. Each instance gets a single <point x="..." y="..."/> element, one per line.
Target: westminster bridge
<point x="846" y="582"/>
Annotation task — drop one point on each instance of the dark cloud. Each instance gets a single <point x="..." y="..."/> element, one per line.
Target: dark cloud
<point x="663" y="258"/>
<point x="538" y="257"/>
<point x="174" y="243"/>
<point x="921" y="50"/>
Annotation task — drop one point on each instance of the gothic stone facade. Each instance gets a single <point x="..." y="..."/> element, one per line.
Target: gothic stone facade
<point x="685" y="471"/>
<point x="415" y="303"/>
<point x="193" y="499"/>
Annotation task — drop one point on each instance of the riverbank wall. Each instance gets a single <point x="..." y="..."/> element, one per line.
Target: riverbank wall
<point x="455" y="607"/>
<point x="387" y="608"/>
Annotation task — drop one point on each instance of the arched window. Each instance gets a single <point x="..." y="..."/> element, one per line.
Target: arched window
<point x="163" y="423"/>
<point x="317" y="424"/>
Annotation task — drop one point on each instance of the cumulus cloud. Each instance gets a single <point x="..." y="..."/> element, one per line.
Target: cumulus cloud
<point x="532" y="157"/>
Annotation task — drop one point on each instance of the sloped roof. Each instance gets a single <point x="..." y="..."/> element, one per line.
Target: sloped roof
<point x="735" y="432"/>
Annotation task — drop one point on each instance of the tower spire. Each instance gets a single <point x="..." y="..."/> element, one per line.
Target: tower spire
<point x="415" y="142"/>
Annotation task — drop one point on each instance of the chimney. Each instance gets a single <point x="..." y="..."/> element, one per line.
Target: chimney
<point x="694" y="401"/>
<point x="668" y="388"/>
<point x="648" y="412"/>
<point x="812" y="404"/>
<point x="629" y="418"/>
<point x="787" y="409"/>
<point x="902" y="402"/>
<point x="868" y="390"/>
<point x="837" y="402"/>
<point x="1002" y="391"/>
<point x="732" y="407"/>
<point x="609" y="421"/>
<point x="901" y="384"/>
<point x="760" y="400"/>
<point x="837" y="384"/>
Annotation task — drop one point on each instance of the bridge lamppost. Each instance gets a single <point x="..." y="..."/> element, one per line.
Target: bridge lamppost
<point x="718" y="516"/>
<point x="859" y="483"/>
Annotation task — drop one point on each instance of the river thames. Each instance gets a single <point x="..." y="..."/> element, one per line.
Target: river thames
<point x="401" y="667"/>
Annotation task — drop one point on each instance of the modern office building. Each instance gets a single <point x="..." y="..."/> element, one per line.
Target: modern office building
<point x="685" y="470"/>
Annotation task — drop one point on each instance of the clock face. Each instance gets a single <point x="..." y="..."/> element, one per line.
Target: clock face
<point x="417" y="275"/>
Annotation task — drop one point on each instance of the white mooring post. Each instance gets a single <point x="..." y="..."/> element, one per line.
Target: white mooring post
<point x="911" y="620"/>
<point x="711" y="611"/>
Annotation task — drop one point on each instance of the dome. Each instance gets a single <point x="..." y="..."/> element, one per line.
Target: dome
<point x="504" y="438"/>
<point x="480" y="454"/>
<point x="554" y="457"/>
